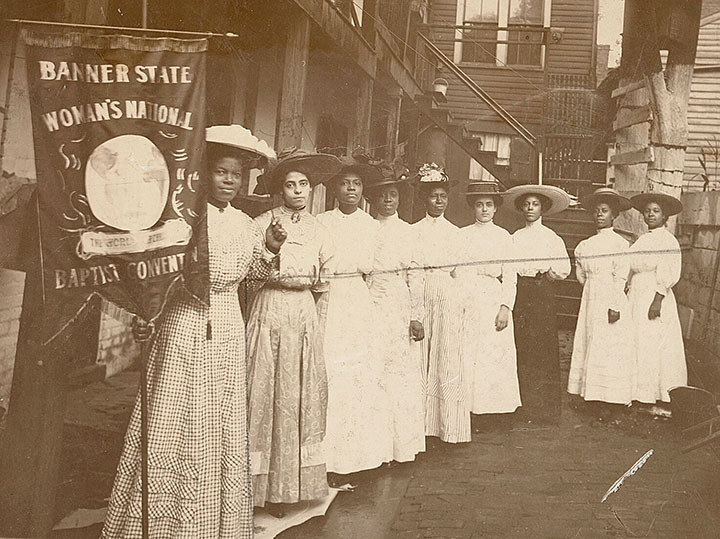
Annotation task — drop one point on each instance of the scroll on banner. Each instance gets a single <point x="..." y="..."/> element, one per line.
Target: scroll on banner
<point x="119" y="129"/>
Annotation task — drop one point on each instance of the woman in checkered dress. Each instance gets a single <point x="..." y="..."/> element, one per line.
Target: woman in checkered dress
<point x="199" y="477"/>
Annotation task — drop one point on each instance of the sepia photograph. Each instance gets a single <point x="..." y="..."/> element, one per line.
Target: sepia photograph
<point x="359" y="269"/>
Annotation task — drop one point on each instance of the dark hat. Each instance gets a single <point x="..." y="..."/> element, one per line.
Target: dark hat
<point x="559" y="199"/>
<point x="318" y="167"/>
<point x="395" y="174"/>
<point x="483" y="189"/>
<point x="433" y="175"/>
<point x="608" y="195"/>
<point x="669" y="204"/>
<point x="361" y="163"/>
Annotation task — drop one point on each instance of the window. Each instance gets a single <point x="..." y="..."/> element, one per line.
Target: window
<point x="501" y="32"/>
<point x="480" y="41"/>
<point x="525" y="42"/>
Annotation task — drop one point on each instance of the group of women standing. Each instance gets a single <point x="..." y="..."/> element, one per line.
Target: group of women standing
<point x="365" y="335"/>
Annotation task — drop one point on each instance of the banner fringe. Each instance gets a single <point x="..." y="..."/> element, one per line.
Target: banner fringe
<point x="96" y="41"/>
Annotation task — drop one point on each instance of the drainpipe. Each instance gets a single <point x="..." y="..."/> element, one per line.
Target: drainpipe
<point x="540" y="167"/>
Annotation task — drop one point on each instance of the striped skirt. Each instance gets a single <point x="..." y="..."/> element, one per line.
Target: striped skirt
<point x="447" y="413"/>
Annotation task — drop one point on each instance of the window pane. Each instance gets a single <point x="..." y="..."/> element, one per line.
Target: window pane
<point x="473" y="11"/>
<point x="479" y="45"/>
<point x="525" y="47"/>
<point x="526" y="12"/>
<point x="481" y="11"/>
<point x="490" y="10"/>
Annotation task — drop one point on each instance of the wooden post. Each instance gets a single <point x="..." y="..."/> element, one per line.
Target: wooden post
<point x="393" y="125"/>
<point x="32" y="442"/>
<point x="666" y="93"/>
<point x="640" y="55"/>
<point x="292" y="95"/>
<point x="363" y="113"/>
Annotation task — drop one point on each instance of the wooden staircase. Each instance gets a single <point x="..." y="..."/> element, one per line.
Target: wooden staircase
<point x="573" y="225"/>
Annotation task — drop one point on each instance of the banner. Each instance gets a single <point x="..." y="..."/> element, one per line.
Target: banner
<point x="119" y="130"/>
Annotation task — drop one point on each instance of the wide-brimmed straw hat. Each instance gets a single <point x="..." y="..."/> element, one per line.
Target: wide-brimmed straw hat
<point x="360" y="163"/>
<point x="609" y="196"/>
<point x="433" y="175"/>
<point x="240" y="138"/>
<point x="559" y="199"/>
<point x="669" y="204"/>
<point x="318" y="167"/>
<point x="487" y="189"/>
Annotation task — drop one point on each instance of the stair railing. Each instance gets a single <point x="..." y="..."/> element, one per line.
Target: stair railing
<point x="508" y="118"/>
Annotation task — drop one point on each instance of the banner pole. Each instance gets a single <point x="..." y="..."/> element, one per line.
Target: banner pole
<point x="121" y="28"/>
<point x="144" y="354"/>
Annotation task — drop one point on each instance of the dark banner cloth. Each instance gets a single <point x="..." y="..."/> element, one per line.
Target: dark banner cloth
<point x="119" y="129"/>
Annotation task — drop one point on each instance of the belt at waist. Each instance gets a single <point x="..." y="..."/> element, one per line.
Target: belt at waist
<point x="285" y="285"/>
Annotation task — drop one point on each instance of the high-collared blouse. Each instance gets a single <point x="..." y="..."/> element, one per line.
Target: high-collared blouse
<point x="658" y="251"/>
<point x="396" y="255"/>
<point x="489" y="251"/>
<point x="353" y="238"/>
<point x="438" y="246"/>
<point x="538" y="250"/>
<point x="604" y="257"/>
<point x="306" y="252"/>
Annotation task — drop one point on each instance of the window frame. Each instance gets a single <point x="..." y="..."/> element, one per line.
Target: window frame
<point x="501" y="50"/>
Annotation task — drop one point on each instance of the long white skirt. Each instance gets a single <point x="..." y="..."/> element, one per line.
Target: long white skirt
<point x="358" y="434"/>
<point x="490" y="354"/>
<point x="603" y="354"/>
<point x="660" y="352"/>
<point x="403" y="365"/>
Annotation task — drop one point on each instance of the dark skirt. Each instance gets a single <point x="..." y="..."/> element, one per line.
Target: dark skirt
<point x="538" y="353"/>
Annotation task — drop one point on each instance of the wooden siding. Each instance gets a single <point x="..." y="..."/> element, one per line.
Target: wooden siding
<point x="574" y="53"/>
<point x="704" y="107"/>
<point x="520" y="90"/>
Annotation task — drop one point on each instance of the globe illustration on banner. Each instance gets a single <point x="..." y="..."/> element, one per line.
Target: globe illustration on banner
<point x="127" y="182"/>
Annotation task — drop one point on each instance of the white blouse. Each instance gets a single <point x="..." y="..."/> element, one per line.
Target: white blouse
<point x="489" y="251"/>
<point x="538" y="250"/>
<point x="353" y="237"/>
<point x="604" y="257"/>
<point x="438" y="244"/>
<point x="658" y="251"/>
<point x="396" y="253"/>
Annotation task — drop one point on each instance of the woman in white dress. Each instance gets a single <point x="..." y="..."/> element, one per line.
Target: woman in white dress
<point x="603" y="356"/>
<point x="489" y="282"/>
<point x="542" y="259"/>
<point x="655" y="266"/>
<point x="447" y="413"/>
<point x="396" y="286"/>
<point x="358" y="434"/>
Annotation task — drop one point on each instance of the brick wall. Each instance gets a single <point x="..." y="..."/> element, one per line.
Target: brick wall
<point x="117" y="350"/>
<point x="11" y="292"/>
<point x="116" y="347"/>
<point x="698" y="292"/>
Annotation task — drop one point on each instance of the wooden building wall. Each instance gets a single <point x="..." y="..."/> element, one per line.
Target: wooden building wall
<point x="520" y="89"/>
<point x="704" y="108"/>
<point x="575" y="53"/>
